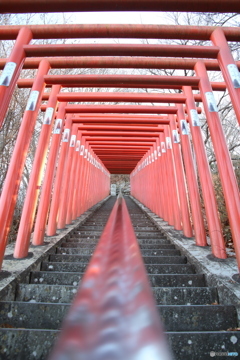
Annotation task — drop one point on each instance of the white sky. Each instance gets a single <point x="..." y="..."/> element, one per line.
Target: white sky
<point x="97" y="18"/>
<point x="120" y="18"/>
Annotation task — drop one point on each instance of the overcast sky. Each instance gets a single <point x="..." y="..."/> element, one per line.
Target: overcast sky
<point x="98" y="18"/>
<point x="121" y="18"/>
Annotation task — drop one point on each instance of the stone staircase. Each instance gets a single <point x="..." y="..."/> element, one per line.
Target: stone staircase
<point x="196" y="325"/>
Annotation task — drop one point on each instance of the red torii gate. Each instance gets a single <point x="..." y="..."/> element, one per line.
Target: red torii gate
<point x="23" y="6"/>
<point x="219" y="50"/>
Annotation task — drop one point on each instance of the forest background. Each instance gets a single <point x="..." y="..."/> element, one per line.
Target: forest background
<point x="8" y="133"/>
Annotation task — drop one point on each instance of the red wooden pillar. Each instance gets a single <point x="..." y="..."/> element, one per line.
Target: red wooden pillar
<point x="93" y="185"/>
<point x="149" y="182"/>
<point x="169" y="214"/>
<point x="12" y="69"/>
<point x="156" y="180"/>
<point x="72" y="178"/>
<point x="81" y="177"/>
<point x="214" y="225"/>
<point x="66" y="179"/>
<point x="160" y="180"/>
<point x="87" y="182"/>
<point x="226" y="172"/>
<point x="77" y="182"/>
<point x="172" y="181"/>
<point x="229" y="68"/>
<point x="61" y="169"/>
<point x="186" y="224"/>
<point x="30" y="204"/>
<point x="152" y="193"/>
<point x="82" y="194"/>
<point x="199" y="230"/>
<point x="85" y="179"/>
<point x="14" y="174"/>
<point x="41" y="218"/>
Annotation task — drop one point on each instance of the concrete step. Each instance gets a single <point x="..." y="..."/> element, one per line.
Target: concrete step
<point x="30" y="315"/>
<point x="198" y="317"/>
<point x="185" y="345"/>
<point x="84" y="245"/>
<point x="139" y="234"/>
<point x="160" y="241"/>
<point x="185" y="296"/>
<point x="170" y="269"/>
<point x="84" y="233"/>
<point x="163" y="295"/>
<point x="93" y="228"/>
<point x="145" y="252"/>
<point x="151" y="269"/>
<point x="26" y="344"/>
<point x="64" y="266"/>
<point x="80" y="245"/>
<point x="100" y="227"/>
<point x="174" y="317"/>
<point x="146" y="259"/>
<point x="198" y="345"/>
<point x="92" y="239"/>
<point x="148" y="235"/>
<point x="139" y="228"/>
<point x="73" y="278"/>
<point x="75" y="251"/>
<point x="89" y="239"/>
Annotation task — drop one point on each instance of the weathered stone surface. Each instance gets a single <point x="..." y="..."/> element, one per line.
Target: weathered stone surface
<point x="185" y="296"/>
<point x="199" y="345"/>
<point x="200" y="318"/>
<point x="57" y="278"/>
<point x="25" y="344"/>
<point x="170" y="269"/>
<point x="145" y="252"/>
<point x="30" y="315"/>
<point x="178" y="280"/>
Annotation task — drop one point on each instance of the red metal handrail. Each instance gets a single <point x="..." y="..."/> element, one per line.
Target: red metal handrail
<point x="113" y="315"/>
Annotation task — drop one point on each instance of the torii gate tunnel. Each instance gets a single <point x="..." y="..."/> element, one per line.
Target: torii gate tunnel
<point x="80" y="146"/>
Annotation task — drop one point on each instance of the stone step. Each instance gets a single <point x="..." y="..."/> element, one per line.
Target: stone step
<point x="74" y="251"/>
<point x="139" y="235"/>
<point x="164" y="296"/>
<point x="148" y="235"/>
<point x="80" y="245"/>
<point x="26" y="344"/>
<point x="160" y="241"/>
<point x="193" y="345"/>
<point x="151" y="269"/>
<point x="93" y="228"/>
<point x="185" y="296"/>
<point x="170" y="269"/>
<point x="84" y="233"/>
<point x="64" y="266"/>
<point x="143" y="229"/>
<point x="174" y="317"/>
<point x="84" y="245"/>
<point x="145" y="252"/>
<point x="159" y="280"/>
<point x="92" y="239"/>
<point x="146" y="259"/>
<point x="139" y="224"/>
<point x="90" y="228"/>
<point x="89" y="239"/>
<point x="198" y="345"/>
